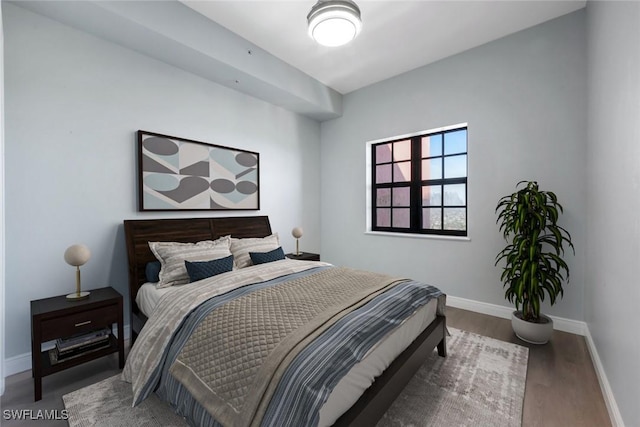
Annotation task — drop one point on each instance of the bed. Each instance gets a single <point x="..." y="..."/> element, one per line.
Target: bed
<point x="369" y="404"/>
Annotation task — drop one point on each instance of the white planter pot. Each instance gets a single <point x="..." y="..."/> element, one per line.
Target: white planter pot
<point x="534" y="333"/>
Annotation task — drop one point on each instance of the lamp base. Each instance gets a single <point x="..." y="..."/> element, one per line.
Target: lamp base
<point x="77" y="296"/>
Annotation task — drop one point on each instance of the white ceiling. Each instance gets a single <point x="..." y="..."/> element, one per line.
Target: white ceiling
<point x="397" y="36"/>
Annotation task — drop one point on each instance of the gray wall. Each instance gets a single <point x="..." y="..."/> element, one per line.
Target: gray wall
<point x="73" y="103"/>
<point x="524" y="99"/>
<point x="612" y="293"/>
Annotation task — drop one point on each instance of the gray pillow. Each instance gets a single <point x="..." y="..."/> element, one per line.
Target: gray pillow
<point x="172" y="256"/>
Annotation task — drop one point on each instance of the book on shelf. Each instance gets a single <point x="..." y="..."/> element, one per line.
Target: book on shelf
<point x="56" y="356"/>
<point x="65" y="348"/>
<point x="82" y="339"/>
<point x="82" y="347"/>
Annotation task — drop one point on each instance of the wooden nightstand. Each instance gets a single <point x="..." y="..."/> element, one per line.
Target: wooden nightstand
<point x="57" y="317"/>
<point x="305" y="256"/>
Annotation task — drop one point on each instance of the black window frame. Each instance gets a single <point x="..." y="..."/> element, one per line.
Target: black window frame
<point x="416" y="183"/>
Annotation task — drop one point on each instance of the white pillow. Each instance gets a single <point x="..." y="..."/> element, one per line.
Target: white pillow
<point x="240" y="248"/>
<point x="172" y="256"/>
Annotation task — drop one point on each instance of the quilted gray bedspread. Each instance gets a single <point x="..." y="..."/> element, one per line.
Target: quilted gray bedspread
<point x="146" y="356"/>
<point x="253" y="338"/>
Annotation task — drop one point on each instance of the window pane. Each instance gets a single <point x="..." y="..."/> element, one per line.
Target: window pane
<point x="401" y="218"/>
<point x="455" y="142"/>
<point x="432" y="219"/>
<point x="455" y="166"/>
<point x="455" y="219"/>
<point x="432" y="169"/>
<point x="455" y="194"/>
<point x="383" y="197"/>
<point x="402" y="172"/>
<point x="401" y="196"/>
<point x="383" y="217"/>
<point x="432" y="145"/>
<point x="431" y="195"/>
<point x="402" y="150"/>
<point x="427" y="194"/>
<point x="383" y="173"/>
<point x="383" y="153"/>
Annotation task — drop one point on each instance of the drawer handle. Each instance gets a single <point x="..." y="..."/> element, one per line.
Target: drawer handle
<point x="83" y="323"/>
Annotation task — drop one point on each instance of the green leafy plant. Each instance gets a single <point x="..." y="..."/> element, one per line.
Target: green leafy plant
<point x="528" y="219"/>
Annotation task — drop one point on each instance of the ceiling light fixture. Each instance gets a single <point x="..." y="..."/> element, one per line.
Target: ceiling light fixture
<point x="334" y="22"/>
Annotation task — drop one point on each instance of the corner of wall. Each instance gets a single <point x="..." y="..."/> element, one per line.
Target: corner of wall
<point x="2" y="346"/>
<point x="607" y="392"/>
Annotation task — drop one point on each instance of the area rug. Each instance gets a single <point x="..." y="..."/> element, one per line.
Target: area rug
<point x="480" y="383"/>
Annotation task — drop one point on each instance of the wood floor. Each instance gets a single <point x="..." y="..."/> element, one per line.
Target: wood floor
<point x="562" y="388"/>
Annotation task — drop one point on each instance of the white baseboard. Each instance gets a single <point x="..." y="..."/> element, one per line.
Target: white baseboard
<point x="16" y="364"/>
<point x="607" y="393"/>
<point x="559" y="323"/>
<point x="22" y="362"/>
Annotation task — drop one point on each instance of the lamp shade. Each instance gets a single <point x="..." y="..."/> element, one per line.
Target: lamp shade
<point x="334" y="22"/>
<point x="77" y="255"/>
<point x="297" y="232"/>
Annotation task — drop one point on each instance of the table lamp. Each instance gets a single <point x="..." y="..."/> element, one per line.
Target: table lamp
<point x="77" y="255"/>
<point x="297" y="233"/>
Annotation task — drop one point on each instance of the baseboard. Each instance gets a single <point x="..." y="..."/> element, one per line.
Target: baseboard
<point x="607" y="393"/>
<point x="16" y="364"/>
<point x="22" y="362"/>
<point x="559" y="323"/>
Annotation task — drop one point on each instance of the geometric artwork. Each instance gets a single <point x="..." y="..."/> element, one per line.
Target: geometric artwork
<point x="182" y="174"/>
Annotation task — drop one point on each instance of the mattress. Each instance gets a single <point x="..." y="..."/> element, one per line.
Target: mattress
<point x="361" y="376"/>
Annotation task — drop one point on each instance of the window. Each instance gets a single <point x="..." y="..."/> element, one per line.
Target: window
<point x="419" y="183"/>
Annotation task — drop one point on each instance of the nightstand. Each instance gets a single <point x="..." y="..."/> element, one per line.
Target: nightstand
<point x="57" y="317"/>
<point x="304" y="256"/>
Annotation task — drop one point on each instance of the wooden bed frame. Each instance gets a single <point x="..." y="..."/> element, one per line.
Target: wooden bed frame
<point x="376" y="399"/>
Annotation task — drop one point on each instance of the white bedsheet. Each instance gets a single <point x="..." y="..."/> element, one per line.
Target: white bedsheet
<point x="361" y="376"/>
<point x="148" y="297"/>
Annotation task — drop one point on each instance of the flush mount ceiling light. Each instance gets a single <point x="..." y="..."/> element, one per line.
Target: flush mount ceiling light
<point x="334" y="22"/>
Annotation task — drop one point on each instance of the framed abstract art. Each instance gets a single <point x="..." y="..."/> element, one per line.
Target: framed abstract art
<point x="176" y="174"/>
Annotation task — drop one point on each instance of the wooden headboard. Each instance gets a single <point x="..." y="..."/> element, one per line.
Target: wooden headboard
<point x="139" y="232"/>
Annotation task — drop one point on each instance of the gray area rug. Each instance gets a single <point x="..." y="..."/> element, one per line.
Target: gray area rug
<point x="480" y="383"/>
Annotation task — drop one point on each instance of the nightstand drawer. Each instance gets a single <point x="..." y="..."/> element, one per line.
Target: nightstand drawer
<point x="84" y="321"/>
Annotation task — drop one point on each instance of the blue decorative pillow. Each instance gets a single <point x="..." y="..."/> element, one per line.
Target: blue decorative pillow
<point x="264" y="257"/>
<point x="152" y="271"/>
<point x="202" y="270"/>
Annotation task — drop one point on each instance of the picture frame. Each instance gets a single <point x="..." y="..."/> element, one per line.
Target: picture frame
<point x="179" y="174"/>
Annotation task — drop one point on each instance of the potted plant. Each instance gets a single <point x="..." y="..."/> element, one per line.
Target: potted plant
<point x="534" y="266"/>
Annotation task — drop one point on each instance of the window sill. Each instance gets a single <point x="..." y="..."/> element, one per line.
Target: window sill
<point x="419" y="236"/>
